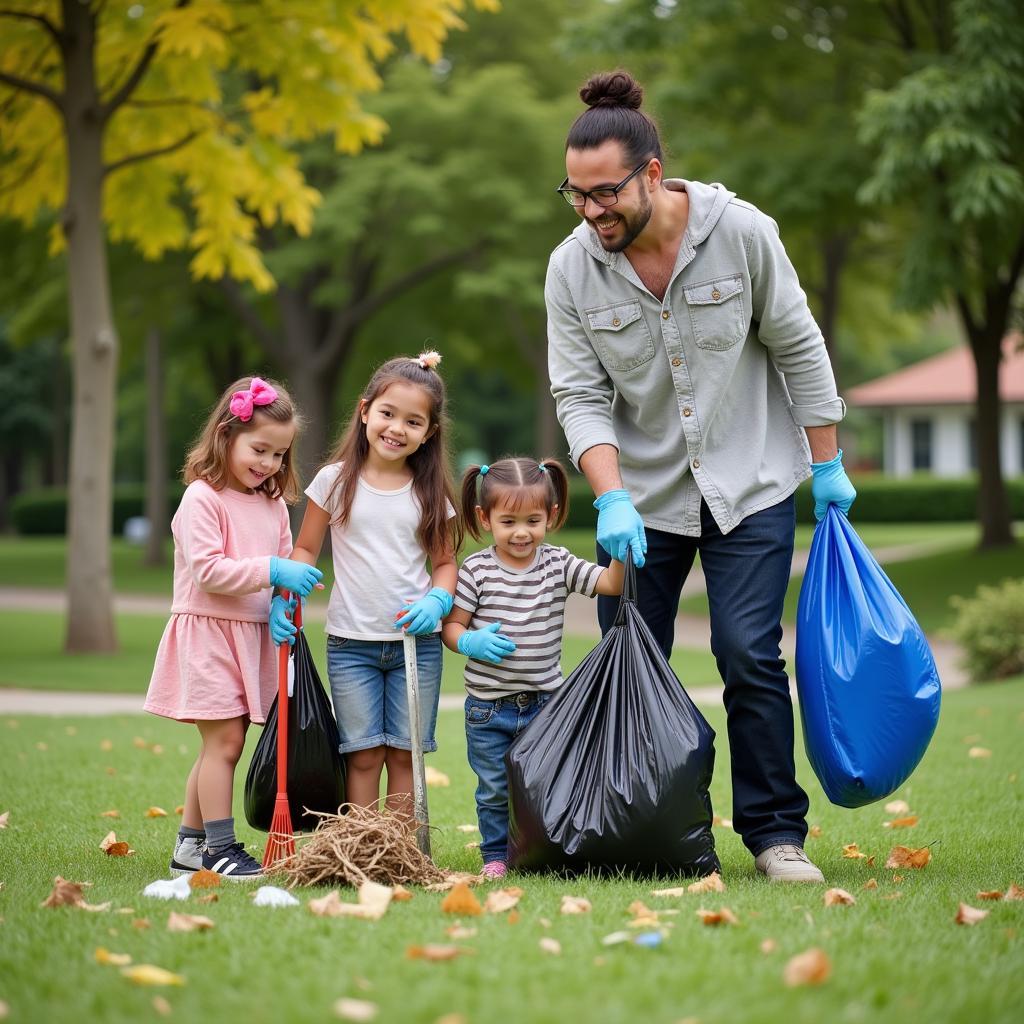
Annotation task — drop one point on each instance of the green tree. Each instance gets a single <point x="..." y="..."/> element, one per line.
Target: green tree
<point x="109" y="111"/>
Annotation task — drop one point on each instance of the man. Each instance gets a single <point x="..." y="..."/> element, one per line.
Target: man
<point x="696" y="394"/>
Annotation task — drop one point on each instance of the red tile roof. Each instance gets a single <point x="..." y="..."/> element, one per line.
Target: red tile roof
<point x="946" y="379"/>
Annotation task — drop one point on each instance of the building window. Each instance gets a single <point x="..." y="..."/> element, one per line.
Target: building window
<point x="972" y="444"/>
<point x="921" y="444"/>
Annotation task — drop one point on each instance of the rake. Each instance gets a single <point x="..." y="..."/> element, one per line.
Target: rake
<point x="419" y="775"/>
<point x="280" y="843"/>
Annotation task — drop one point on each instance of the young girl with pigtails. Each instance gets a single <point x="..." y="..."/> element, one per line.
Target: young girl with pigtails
<point x="216" y="665"/>
<point x="386" y="495"/>
<point x="508" y="616"/>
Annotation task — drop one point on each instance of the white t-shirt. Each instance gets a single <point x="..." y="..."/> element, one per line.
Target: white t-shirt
<point x="379" y="563"/>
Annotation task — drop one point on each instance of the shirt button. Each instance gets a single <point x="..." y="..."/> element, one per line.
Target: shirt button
<point x="687" y="411"/>
<point x="665" y="315"/>
<point x="677" y="361"/>
<point x="696" y="463"/>
<point x="616" y="322"/>
<point x="716" y="295"/>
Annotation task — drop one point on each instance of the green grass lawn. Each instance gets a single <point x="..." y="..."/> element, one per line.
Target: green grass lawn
<point x="897" y="955"/>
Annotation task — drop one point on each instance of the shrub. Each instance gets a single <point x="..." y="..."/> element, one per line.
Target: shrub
<point x="990" y="626"/>
<point x="45" y="511"/>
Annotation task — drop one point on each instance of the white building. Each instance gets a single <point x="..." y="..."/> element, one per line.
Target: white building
<point x="928" y="412"/>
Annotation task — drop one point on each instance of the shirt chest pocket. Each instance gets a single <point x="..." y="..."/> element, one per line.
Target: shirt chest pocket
<point x="717" y="312"/>
<point x="621" y="335"/>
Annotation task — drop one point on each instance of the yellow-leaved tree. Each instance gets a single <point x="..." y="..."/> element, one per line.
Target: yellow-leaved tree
<point x="172" y="124"/>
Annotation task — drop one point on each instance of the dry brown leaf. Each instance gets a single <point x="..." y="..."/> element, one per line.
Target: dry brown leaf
<point x="814" y="832"/>
<point x="852" y="852"/>
<point x="436" y="778"/>
<point x="811" y="967"/>
<point x="4" y="818"/>
<point x="909" y="822"/>
<point x="204" y="879"/>
<point x="466" y="828"/>
<point x="139" y="743"/>
<point x="513" y="917"/>
<point x="990" y="894"/>
<point x="355" y="1009"/>
<point x="155" y="812"/>
<point x="161" y="1006"/>
<point x="452" y="879"/>
<point x="149" y="974"/>
<point x="979" y="752"/>
<point x="324" y="907"/>
<point x="210" y="897"/>
<point x="112" y="848"/>
<point x="65" y="894"/>
<point x="400" y="894"/>
<point x="106" y="745"/>
<point x="374" y="900"/>
<point x="461" y="902"/>
<point x="838" y="898"/>
<point x="709" y="883"/>
<point x="179" y="810"/>
<point x="574" y="905"/>
<point x="871" y="883"/>
<point x="460" y="931"/>
<point x="110" y="814"/>
<point x="549" y="945"/>
<point x="500" y="900"/>
<point x="1015" y="892"/>
<point x="769" y="946"/>
<point x="969" y="915"/>
<point x="716" y="917"/>
<point x="140" y="924"/>
<point x="720" y="822"/>
<point x="188" y="922"/>
<point x="435" y="952"/>
<point x="104" y="956"/>
<point x="906" y="857"/>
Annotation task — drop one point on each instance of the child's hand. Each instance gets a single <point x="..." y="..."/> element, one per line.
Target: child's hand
<point x="421" y="617"/>
<point x="486" y="644"/>
<point x="281" y="627"/>
<point x="295" y="576"/>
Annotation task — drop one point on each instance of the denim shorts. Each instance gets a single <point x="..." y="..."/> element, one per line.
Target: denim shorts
<point x="368" y="689"/>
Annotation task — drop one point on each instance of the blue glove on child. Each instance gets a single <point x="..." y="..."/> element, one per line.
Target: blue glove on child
<point x="831" y="486"/>
<point x="281" y="627"/>
<point x="619" y="527"/>
<point x="486" y="644"/>
<point x="421" y="617"/>
<point x="295" y="576"/>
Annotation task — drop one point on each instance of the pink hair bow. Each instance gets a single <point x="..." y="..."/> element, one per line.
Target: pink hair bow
<point x="259" y="393"/>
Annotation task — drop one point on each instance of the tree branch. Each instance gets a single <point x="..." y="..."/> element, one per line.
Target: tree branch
<point x="36" y="88"/>
<point x="59" y="37"/>
<point x="249" y="317"/>
<point x="148" y="154"/>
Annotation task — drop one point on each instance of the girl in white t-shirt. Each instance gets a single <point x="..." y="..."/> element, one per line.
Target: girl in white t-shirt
<point x="386" y="494"/>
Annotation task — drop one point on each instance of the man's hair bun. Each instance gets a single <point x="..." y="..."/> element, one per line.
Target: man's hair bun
<point x="612" y="89"/>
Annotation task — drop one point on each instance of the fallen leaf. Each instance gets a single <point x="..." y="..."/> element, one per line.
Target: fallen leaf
<point x="452" y="879"/>
<point x="897" y="807"/>
<point x="617" y="938"/>
<point x="977" y="752"/>
<point x="838" y="898"/>
<point x="472" y="846"/>
<point x="460" y="931"/>
<point x="679" y="890"/>
<point x="436" y="778"/>
<point x="908" y="822"/>
<point x="141" y="924"/>
<point x="513" y="917"/>
<point x="549" y="945"/>
<point x="188" y="922"/>
<point x="434" y="952"/>
<point x="179" y="810"/>
<point x="642" y="915"/>
<point x="110" y="814"/>
<point x="461" y="901"/>
<point x="969" y="915"/>
<point x="716" y="917"/>
<point x="905" y="857"/>
<point x="139" y="742"/>
<point x="355" y="1009"/>
<point x="500" y="900"/>
<point x="210" y="897"/>
<point x="149" y="974"/>
<point x="990" y="894"/>
<point x="852" y="852"/>
<point x="400" y="894"/>
<point x="156" y="748"/>
<point x="106" y="745"/>
<point x="814" y="832"/>
<point x="709" y="883"/>
<point x="4" y="819"/>
<point x="161" y="1006"/>
<point x="204" y="879"/>
<point x="104" y="956"/>
<point x="65" y="894"/>
<point x="155" y="812"/>
<point x="374" y="900"/>
<point x="769" y="946"/>
<point x="871" y="883"/>
<point x="112" y="848"/>
<point x="811" y="967"/>
<point x="575" y="905"/>
<point x="720" y="822"/>
<point x="467" y="828"/>
<point x="1015" y="892"/>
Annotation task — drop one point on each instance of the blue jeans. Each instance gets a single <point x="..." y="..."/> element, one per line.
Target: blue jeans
<point x="747" y="571"/>
<point x="491" y="726"/>
<point x="368" y="689"/>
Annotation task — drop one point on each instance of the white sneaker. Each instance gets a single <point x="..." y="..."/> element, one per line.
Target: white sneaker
<point x="188" y="855"/>
<point x="787" y="862"/>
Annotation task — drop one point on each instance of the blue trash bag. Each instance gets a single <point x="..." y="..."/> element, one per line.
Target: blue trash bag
<point x="869" y="690"/>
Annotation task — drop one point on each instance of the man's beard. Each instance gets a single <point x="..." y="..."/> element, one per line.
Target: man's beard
<point x="632" y="226"/>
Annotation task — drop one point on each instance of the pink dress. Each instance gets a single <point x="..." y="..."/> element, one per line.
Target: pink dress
<point x="216" y="659"/>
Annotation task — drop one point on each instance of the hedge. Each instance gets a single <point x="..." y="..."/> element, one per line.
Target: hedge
<point x="45" y="511"/>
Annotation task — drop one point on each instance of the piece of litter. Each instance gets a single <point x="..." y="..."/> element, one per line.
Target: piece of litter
<point x="272" y="896"/>
<point x="169" y="889"/>
<point x="649" y="939"/>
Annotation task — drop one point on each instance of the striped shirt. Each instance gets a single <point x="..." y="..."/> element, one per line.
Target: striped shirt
<point x="530" y="605"/>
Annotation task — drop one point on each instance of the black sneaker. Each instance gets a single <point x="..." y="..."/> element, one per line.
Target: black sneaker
<point x="233" y="863"/>
<point x="188" y="856"/>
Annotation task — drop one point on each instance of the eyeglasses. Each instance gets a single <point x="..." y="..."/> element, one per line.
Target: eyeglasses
<point x="602" y="196"/>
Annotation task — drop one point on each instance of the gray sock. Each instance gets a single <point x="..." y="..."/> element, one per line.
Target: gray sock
<point x="219" y="834"/>
<point x="190" y="833"/>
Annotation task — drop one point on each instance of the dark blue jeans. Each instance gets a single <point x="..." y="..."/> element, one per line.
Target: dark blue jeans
<point x="747" y="571"/>
<point x="491" y="726"/>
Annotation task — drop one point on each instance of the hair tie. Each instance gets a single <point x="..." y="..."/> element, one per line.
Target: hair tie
<point x="484" y="470"/>
<point x="259" y="392"/>
<point x="427" y="360"/>
<point x="542" y="467"/>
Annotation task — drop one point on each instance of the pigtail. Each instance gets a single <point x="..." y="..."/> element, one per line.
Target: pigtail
<point x="469" y="503"/>
<point x="559" y="485"/>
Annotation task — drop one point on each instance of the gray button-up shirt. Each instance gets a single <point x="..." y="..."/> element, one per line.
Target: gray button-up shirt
<point x="703" y="393"/>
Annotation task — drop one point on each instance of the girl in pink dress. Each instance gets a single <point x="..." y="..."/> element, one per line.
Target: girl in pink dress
<point x="216" y="664"/>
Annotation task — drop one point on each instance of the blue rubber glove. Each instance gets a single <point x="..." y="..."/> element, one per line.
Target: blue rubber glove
<point x="281" y="627"/>
<point x="619" y="527"/>
<point x="486" y="644"/>
<point x="298" y="577"/>
<point x="421" y="617"/>
<point x="831" y="486"/>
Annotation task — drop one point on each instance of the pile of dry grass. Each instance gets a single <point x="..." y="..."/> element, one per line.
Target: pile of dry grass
<point x="357" y="846"/>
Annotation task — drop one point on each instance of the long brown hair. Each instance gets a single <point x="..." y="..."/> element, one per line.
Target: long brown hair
<point x="208" y="457"/>
<point x="430" y="464"/>
<point x="514" y="481"/>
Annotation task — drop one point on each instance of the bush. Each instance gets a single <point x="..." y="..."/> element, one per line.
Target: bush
<point x="45" y="511"/>
<point x="990" y="626"/>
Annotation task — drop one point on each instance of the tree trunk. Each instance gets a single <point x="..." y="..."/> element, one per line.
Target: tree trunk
<point x="90" y="625"/>
<point x="156" y="454"/>
<point x="58" y="461"/>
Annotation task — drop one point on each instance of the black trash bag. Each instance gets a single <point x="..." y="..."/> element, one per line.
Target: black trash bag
<point x="613" y="773"/>
<point x="316" y="771"/>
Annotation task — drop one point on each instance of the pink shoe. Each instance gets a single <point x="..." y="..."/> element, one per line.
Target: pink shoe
<point x="495" y="869"/>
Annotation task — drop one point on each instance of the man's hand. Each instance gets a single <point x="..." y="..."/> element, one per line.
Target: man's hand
<point x="831" y="486"/>
<point x="619" y="527"/>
